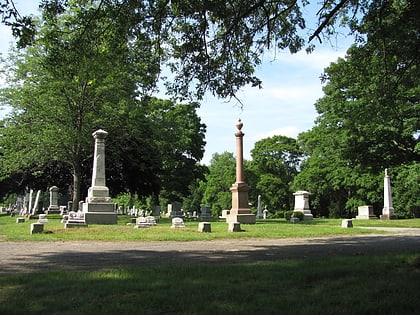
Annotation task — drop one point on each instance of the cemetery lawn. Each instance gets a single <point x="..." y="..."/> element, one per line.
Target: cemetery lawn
<point x="124" y="231"/>
<point x="384" y="284"/>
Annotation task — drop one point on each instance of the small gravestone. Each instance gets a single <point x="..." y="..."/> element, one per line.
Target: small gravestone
<point x="365" y="213"/>
<point x="142" y="223"/>
<point x="234" y="227"/>
<point x="74" y="219"/>
<point x="265" y="214"/>
<point x="205" y="212"/>
<point x="156" y="211"/>
<point x="177" y="223"/>
<point x="225" y="214"/>
<point x="42" y="218"/>
<point x="294" y="220"/>
<point x="302" y="204"/>
<point x="20" y="220"/>
<point x="37" y="228"/>
<point x="347" y="223"/>
<point x="204" y="227"/>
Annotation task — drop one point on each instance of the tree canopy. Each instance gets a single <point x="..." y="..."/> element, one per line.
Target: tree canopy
<point x="212" y="46"/>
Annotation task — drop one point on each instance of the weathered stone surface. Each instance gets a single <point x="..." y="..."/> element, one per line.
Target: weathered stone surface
<point x="37" y="228"/>
<point x="234" y="227"/>
<point x="204" y="227"/>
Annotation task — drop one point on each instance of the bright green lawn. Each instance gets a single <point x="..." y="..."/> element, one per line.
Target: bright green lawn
<point x="54" y="230"/>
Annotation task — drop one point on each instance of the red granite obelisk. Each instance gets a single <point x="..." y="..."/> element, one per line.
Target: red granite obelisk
<point x="240" y="211"/>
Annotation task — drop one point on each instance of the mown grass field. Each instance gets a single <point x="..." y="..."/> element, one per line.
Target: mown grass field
<point x="371" y="284"/>
<point x="124" y="231"/>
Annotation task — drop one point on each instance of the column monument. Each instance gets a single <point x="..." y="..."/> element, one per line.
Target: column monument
<point x="240" y="211"/>
<point x="388" y="210"/>
<point x="98" y="208"/>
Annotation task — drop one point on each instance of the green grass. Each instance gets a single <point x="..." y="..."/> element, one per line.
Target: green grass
<point x="342" y="285"/>
<point x="280" y="228"/>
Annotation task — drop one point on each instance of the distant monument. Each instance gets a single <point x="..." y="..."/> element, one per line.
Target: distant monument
<point x="240" y="211"/>
<point x="259" y="209"/>
<point x="53" y="207"/>
<point x="302" y="204"/>
<point x="388" y="210"/>
<point x="98" y="208"/>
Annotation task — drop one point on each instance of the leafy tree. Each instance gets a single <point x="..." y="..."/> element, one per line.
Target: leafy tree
<point x="369" y="117"/>
<point x="214" y="45"/>
<point x="72" y="81"/>
<point x="179" y="139"/>
<point x="221" y="176"/>
<point x="276" y="161"/>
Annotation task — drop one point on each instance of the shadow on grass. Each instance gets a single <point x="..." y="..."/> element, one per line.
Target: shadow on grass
<point x="385" y="284"/>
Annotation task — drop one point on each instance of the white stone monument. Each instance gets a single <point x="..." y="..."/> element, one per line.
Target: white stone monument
<point x="388" y="210"/>
<point x="302" y="204"/>
<point x="240" y="211"/>
<point x="365" y="213"/>
<point x="259" y="209"/>
<point x="98" y="208"/>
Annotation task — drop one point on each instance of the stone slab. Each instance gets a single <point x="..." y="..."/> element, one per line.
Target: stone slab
<point x="234" y="227"/>
<point x="204" y="227"/>
<point x="241" y="218"/>
<point x="347" y="223"/>
<point x="37" y="228"/>
<point x="70" y="225"/>
<point x="20" y="220"/>
<point x="101" y="218"/>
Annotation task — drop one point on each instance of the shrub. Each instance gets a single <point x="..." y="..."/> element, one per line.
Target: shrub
<point x="298" y="214"/>
<point x="288" y="215"/>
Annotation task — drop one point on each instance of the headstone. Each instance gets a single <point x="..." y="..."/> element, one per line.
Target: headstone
<point x="265" y="214"/>
<point x="388" y="209"/>
<point x="156" y="211"/>
<point x="176" y="211"/>
<point x="177" y="223"/>
<point x="302" y="204"/>
<point x="42" y="218"/>
<point x="204" y="227"/>
<point x="74" y="219"/>
<point x="20" y="220"/>
<point x="347" y="223"/>
<point x="205" y="212"/>
<point x="98" y="208"/>
<point x="365" y="213"/>
<point x="53" y="207"/>
<point x="240" y="211"/>
<point x="37" y="228"/>
<point x="234" y="227"/>
<point x="142" y="223"/>
<point x="29" y="209"/>
<point x="259" y="208"/>
<point x="35" y="205"/>
<point x="294" y="220"/>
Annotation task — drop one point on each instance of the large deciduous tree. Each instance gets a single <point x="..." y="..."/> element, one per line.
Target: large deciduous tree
<point x="275" y="161"/>
<point x="369" y="118"/>
<point x="212" y="45"/>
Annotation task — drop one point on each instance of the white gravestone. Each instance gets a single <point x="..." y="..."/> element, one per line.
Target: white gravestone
<point x="302" y="204"/>
<point x="388" y="210"/>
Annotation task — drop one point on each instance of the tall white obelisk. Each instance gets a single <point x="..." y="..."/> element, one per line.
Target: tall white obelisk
<point x="388" y="210"/>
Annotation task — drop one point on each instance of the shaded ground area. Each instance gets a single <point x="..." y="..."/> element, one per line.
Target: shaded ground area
<point x="96" y="255"/>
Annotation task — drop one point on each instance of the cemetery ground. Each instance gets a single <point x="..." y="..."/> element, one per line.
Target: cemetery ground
<point x="272" y="267"/>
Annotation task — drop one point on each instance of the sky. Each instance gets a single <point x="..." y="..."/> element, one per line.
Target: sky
<point x="284" y="105"/>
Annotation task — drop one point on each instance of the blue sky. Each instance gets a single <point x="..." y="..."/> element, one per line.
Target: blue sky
<point x="284" y="106"/>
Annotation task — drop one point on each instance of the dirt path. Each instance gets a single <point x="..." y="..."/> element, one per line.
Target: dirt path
<point x="96" y="255"/>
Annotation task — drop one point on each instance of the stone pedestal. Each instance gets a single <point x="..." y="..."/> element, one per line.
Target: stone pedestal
<point x="365" y="213"/>
<point x="98" y="208"/>
<point x="302" y="204"/>
<point x="240" y="211"/>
